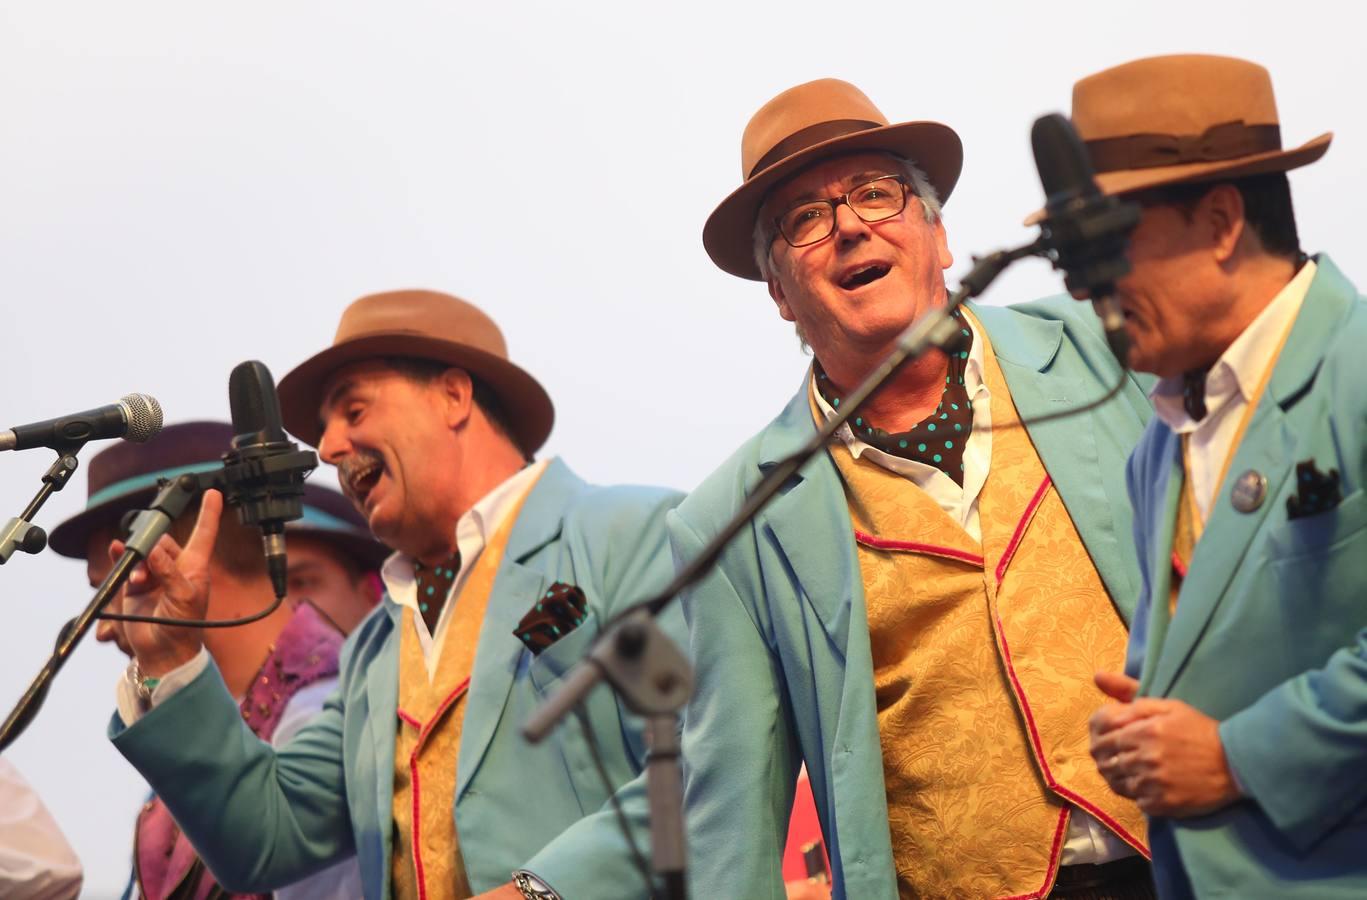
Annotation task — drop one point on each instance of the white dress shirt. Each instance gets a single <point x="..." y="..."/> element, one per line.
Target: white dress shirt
<point x="1088" y="841"/>
<point x="473" y="531"/>
<point x="1230" y="385"/>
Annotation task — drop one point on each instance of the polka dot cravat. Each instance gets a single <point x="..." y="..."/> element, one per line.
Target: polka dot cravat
<point x="939" y="439"/>
<point x="434" y="584"/>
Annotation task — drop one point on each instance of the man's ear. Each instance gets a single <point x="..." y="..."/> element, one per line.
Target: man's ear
<point x="457" y="395"/>
<point x="1222" y="213"/>
<point x="780" y="298"/>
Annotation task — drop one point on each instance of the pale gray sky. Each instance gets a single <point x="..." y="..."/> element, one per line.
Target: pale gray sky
<point x="185" y="186"/>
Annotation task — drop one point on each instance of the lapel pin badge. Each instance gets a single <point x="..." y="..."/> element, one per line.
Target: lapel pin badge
<point x="1249" y="491"/>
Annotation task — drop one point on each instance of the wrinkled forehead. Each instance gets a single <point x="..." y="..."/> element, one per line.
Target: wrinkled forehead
<point x="830" y="178"/>
<point x="359" y="375"/>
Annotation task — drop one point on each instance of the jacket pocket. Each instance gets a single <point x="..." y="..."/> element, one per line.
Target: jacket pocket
<point x="549" y="666"/>
<point x="1320" y="534"/>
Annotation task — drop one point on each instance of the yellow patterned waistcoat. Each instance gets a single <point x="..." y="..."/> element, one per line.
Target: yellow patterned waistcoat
<point x="983" y="661"/>
<point x="426" y="861"/>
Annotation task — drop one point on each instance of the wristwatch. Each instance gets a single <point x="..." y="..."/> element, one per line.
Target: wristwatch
<point x="533" y="888"/>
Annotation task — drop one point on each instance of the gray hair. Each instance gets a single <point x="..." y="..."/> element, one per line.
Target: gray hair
<point x="765" y="233"/>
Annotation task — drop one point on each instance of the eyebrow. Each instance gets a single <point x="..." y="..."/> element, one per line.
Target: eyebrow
<point x="331" y="400"/>
<point x="848" y="182"/>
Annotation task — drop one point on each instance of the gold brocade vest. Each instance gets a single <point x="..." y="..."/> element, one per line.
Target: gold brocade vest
<point x="426" y="862"/>
<point x="983" y="661"/>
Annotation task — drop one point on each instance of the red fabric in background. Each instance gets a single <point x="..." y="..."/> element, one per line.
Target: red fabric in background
<point x="803" y="828"/>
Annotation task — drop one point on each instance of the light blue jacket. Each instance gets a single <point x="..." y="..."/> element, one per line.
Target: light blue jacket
<point x="1268" y="636"/>
<point x="779" y="632"/>
<point x="263" y="818"/>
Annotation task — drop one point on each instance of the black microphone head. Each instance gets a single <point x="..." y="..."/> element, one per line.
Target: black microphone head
<point x="1086" y="232"/>
<point x="1065" y="172"/>
<point x="144" y="417"/>
<point x="254" y="405"/>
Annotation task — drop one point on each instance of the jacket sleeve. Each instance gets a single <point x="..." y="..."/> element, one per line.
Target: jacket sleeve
<point x="592" y="858"/>
<point x="260" y="818"/>
<point x="740" y="756"/>
<point x="1298" y="750"/>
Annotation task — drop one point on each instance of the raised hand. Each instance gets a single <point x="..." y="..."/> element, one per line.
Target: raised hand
<point x="173" y="582"/>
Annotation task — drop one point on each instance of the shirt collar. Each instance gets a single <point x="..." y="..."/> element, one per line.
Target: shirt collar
<point x="474" y="527"/>
<point x="1240" y="368"/>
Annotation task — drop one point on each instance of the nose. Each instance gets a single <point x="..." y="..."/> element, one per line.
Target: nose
<point x="849" y="228"/>
<point x="334" y="443"/>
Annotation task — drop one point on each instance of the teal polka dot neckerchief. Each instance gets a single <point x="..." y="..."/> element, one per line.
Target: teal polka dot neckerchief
<point x="434" y="584"/>
<point x="939" y="439"/>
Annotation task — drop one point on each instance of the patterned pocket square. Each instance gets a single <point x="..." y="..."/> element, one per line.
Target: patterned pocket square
<point x="1316" y="492"/>
<point x="556" y="613"/>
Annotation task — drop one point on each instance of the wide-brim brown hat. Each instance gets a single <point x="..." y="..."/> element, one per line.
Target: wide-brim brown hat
<point x="1182" y="119"/>
<point x="420" y="325"/>
<point x="126" y="477"/>
<point x="806" y="124"/>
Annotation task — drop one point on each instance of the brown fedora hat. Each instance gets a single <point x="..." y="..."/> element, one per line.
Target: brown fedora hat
<point x="1182" y="119"/>
<point x="419" y="325"/>
<point x="125" y="476"/>
<point x="805" y="124"/>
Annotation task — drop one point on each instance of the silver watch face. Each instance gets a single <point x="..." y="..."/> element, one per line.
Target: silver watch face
<point x="533" y="888"/>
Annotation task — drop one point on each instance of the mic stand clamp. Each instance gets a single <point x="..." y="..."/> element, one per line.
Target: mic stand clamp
<point x="20" y="533"/>
<point x="650" y="673"/>
<point x="654" y="680"/>
<point x="147" y="528"/>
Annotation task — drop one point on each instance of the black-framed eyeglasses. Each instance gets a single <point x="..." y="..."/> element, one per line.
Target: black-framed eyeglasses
<point x="873" y="201"/>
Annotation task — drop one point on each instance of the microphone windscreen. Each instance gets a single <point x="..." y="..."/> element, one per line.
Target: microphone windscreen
<point x="1065" y="172"/>
<point x="254" y="405"/>
<point x="144" y="417"/>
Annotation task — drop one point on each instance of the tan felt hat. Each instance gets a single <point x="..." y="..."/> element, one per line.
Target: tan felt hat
<point x="419" y="325"/>
<point x="1182" y="119"/>
<point x="803" y="125"/>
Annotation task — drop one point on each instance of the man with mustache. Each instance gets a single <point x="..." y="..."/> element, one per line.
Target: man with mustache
<point x="505" y="570"/>
<point x="918" y="614"/>
<point x="1245" y="734"/>
<point x="280" y="668"/>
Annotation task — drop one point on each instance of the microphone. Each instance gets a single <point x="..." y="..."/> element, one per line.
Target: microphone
<point x="1086" y="233"/>
<point x="136" y="418"/>
<point x="264" y="471"/>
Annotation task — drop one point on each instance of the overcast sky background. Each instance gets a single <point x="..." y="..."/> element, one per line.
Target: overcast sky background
<point x="183" y="187"/>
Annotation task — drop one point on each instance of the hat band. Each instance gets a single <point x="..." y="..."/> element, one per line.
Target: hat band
<point x="1228" y="140"/>
<point x="810" y="136"/>
<point x="146" y="480"/>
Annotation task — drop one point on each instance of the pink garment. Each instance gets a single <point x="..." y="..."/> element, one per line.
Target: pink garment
<point x="306" y="652"/>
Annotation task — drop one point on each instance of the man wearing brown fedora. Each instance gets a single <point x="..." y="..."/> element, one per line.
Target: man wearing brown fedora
<point x="918" y="615"/>
<point x="1246" y="746"/>
<point x="504" y="572"/>
<point x="280" y="668"/>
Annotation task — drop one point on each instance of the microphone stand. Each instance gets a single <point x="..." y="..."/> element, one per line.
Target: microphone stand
<point x="20" y="533"/>
<point x="649" y="672"/>
<point x="147" y="529"/>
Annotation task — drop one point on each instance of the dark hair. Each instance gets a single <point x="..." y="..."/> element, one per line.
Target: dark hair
<point x="1267" y="207"/>
<point x="426" y="371"/>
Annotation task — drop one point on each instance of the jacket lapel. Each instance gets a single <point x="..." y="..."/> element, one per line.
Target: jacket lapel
<point x="1169" y="486"/>
<point x="1027" y="349"/>
<point x="515" y="588"/>
<point x="1268" y="448"/>
<point x="809" y="517"/>
<point x="382" y="695"/>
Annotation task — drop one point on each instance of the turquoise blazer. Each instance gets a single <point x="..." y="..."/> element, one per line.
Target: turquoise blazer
<point x="263" y="818"/>
<point x="779" y="632"/>
<point x="1268" y="635"/>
